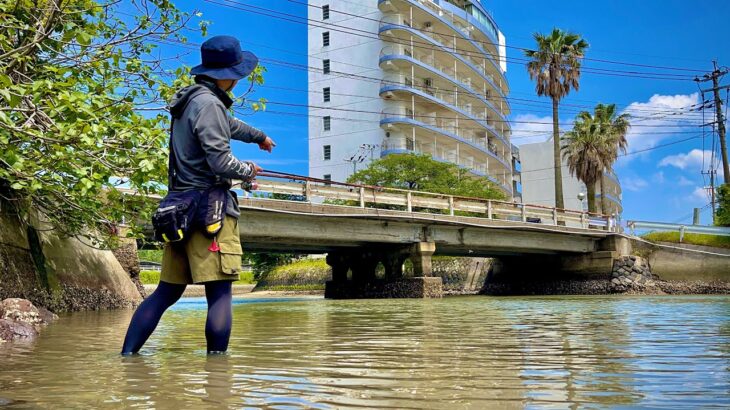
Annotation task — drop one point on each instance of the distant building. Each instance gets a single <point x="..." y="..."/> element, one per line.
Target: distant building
<point x="538" y="187"/>
<point x="396" y="76"/>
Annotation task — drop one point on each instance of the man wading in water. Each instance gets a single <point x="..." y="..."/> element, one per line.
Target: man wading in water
<point x="201" y="158"/>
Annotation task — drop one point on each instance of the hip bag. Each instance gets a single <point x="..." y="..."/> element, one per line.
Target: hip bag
<point x="180" y="212"/>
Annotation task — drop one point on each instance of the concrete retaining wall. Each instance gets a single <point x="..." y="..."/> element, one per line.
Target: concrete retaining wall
<point x="61" y="274"/>
<point x="679" y="262"/>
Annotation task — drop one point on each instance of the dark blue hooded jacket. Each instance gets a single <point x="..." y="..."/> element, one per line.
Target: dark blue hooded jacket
<point x="201" y="139"/>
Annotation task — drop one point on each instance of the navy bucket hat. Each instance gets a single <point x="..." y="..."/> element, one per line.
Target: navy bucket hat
<point x="223" y="59"/>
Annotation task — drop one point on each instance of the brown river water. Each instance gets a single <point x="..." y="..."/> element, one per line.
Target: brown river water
<point x="456" y="353"/>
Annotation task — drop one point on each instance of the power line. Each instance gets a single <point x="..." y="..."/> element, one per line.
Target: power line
<point x="498" y="45"/>
<point x="367" y="34"/>
<point x="380" y="80"/>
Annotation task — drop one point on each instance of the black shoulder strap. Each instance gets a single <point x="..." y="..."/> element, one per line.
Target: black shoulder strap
<point x="172" y="161"/>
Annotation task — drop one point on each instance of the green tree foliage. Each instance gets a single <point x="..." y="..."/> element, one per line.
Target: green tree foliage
<point x="81" y="98"/>
<point x="593" y="146"/>
<point x="722" y="217"/>
<point x="555" y="66"/>
<point x="422" y="173"/>
<point x="614" y="128"/>
<point x="585" y="152"/>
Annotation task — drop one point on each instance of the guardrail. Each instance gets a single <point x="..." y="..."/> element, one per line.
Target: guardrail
<point x="682" y="229"/>
<point x="364" y="196"/>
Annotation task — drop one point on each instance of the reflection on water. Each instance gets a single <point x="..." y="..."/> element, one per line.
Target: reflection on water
<point x="471" y="352"/>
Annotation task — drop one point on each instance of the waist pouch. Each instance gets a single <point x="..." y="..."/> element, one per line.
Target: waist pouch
<point x="182" y="211"/>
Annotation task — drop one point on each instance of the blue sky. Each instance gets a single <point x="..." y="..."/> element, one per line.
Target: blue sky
<point x="661" y="184"/>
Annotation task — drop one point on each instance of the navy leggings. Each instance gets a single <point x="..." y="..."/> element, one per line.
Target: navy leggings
<point x="148" y="314"/>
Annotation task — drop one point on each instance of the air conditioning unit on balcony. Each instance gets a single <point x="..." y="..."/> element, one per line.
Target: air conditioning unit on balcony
<point x="427" y="25"/>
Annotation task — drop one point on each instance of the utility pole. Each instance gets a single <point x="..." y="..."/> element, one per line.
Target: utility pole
<point x="715" y="76"/>
<point x="712" y="173"/>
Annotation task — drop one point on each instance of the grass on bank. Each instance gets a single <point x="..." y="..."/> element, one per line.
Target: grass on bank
<point x="311" y="286"/>
<point x="150" y="255"/>
<point x="690" y="238"/>
<point x="152" y="277"/>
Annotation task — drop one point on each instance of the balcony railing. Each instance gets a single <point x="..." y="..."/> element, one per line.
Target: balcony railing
<point x="447" y="98"/>
<point x="448" y="126"/>
<point x="478" y="65"/>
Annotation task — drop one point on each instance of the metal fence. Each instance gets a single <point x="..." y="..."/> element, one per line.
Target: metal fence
<point x="682" y="229"/>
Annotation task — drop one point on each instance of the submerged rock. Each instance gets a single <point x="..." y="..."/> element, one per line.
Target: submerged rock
<point x="20" y="319"/>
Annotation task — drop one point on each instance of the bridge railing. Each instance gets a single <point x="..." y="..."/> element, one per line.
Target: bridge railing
<point x="364" y="196"/>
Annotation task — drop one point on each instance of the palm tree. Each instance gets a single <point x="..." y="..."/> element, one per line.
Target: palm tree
<point x="614" y="128"/>
<point x="586" y="151"/>
<point x="555" y="67"/>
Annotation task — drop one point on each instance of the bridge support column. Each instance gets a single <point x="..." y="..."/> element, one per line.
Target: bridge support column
<point x="421" y="253"/>
<point x="365" y="285"/>
<point x="363" y="266"/>
<point x="393" y="263"/>
<point x="340" y="265"/>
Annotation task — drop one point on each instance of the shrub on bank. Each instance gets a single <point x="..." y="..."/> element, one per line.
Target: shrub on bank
<point x="690" y="238"/>
<point x="308" y="273"/>
<point x="152" y="277"/>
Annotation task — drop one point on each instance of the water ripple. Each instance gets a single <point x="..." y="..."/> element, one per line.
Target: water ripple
<point x="456" y="353"/>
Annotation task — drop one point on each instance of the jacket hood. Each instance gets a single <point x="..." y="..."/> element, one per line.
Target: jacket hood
<point x="181" y="98"/>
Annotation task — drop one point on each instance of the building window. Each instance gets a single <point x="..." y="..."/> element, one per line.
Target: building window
<point x="325" y="12"/>
<point x="325" y="39"/>
<point x="327" y="121"/>
<point x="327" y="177"/>
<point x="326" y="94"/>
<point x="327" y="152"/>
<point x="326" y="66"/>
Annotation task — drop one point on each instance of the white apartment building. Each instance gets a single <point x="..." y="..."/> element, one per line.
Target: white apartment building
<point x="397" y="76"/>
<point x="538" y="185"/>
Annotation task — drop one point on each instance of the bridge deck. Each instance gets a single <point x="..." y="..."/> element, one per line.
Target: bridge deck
<point x="270" y="224"/>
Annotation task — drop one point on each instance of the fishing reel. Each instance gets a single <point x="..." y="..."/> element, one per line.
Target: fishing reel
<point x="249" y="186"/>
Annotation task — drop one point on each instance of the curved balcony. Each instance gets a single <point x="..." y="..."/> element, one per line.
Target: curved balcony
<point x="612" y="176"/>
<point x="438" y="98"/>
<point x="615" y="200"/>
<point x="431" y="124"/>
<point x="438" y="13"/>
<point x="399" y="52"/>
<point x="399" y="24"/>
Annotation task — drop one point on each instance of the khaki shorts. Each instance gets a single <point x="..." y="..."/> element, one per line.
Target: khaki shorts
<point x="192" y="262"/>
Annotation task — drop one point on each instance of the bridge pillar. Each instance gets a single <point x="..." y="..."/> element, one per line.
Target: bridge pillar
<point x="421" y="253"/>
<point x="363" y="266"/>
<point x="340" y="264"/>
<point x="393" y="263"/>
<point x="364" y="284"/>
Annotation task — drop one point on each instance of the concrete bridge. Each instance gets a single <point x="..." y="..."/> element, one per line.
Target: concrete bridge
<point x="361" y="226"/>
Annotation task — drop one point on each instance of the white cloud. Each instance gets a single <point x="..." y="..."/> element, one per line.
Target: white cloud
<point x="661" y="118"/>
<point x="658" y="177"/>
<point x="529" y="128"/>
<point x="701" y="195"/>
<point x="693" y="161"/>
<point x="634" y="184"/>
<point x="682" y="181"/>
